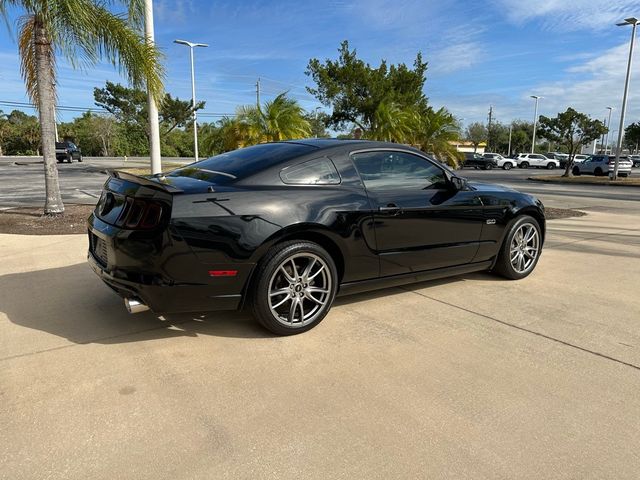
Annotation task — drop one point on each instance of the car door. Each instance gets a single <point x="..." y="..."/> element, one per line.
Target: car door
<point x="420" y="221"/>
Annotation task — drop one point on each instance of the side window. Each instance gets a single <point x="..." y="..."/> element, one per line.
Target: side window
<point x="398" y="170"/>
<point x="319" y="171"/>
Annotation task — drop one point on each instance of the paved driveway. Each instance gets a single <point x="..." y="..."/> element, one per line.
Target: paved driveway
<point x="473" y="377"/>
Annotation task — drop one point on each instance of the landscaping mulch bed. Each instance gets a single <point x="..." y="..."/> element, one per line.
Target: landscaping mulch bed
<point x="31" y="221"/>
<point x="556" y="213"/>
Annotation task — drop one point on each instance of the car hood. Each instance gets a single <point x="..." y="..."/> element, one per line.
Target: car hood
<point x="489" y="187"/>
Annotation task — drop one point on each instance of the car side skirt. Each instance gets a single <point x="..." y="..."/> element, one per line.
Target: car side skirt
<point x="351" y="288"/>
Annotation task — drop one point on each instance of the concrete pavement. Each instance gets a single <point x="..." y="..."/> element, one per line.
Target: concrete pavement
<point x="473" y="377"/>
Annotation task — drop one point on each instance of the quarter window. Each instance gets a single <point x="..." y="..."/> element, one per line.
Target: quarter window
<point x="398" y="170"/>
<point x="319" y="171"/>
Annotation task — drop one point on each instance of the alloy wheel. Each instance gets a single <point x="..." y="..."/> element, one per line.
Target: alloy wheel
<point x="299" y="289"/>
<point x="524" y="248"/>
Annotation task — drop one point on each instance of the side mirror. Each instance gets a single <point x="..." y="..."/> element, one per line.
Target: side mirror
<point x="457" y="183"/>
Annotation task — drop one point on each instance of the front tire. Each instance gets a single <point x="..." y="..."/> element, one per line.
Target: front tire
<point x="576" y="171"/>
<point x="507" y="166"/>
<point x="520" y="250"/>
<point x="524" y="165"/>
<point x="295" y="286"/>
<point x="551" y="166"/>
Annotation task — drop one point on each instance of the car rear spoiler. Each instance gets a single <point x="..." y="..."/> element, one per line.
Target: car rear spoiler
<point x="147" y="182"/>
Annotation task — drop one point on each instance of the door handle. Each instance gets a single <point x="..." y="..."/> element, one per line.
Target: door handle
<point x="390" y="209"/>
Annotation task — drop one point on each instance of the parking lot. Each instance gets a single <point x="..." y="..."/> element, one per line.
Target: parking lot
<point x="471" y="377"/>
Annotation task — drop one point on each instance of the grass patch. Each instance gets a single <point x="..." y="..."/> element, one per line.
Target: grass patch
<point x="588" y="180"/>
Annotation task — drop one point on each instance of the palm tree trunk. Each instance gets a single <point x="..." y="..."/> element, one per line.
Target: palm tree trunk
<point x="46" y="109"/>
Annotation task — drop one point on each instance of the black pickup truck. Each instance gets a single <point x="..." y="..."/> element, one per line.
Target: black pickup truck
<point x="476" y="160"/>
<point x="67" y="151"/>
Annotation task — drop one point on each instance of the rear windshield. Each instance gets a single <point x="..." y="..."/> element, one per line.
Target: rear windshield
<point x="242" y="163"/>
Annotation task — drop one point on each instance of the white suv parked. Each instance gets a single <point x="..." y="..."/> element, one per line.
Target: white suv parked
<point x="526" y="160"/>
<point x="502" y="162"/>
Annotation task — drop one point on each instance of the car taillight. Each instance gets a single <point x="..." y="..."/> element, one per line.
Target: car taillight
<point x="139" y="213"/>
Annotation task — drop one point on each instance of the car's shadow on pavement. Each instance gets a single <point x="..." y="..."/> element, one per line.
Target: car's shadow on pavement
<point x="72" y="303"/>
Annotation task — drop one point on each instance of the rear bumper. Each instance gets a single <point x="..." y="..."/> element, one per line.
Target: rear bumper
<point x="168" y="298"/>
<point x="162" y="272"/>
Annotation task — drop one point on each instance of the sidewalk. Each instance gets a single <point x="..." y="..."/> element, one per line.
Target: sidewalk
<point x="471" y="377"/>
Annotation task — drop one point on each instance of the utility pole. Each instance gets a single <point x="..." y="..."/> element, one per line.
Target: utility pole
<point x="509" y="149"/>
<point x="489" y="127"/>
<point x="258" y="93"/>
<point x="154" y="123"/>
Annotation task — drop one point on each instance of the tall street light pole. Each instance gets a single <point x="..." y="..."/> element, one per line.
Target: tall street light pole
<point x="634" y="22"/>
<point x="606" y="140"/>
<point x="191" y="46"/>
<point x="535" y="122"/>
<point x="154" y="123"/>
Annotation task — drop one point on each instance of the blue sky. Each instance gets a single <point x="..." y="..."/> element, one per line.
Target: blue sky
<point x="480" y="53"/>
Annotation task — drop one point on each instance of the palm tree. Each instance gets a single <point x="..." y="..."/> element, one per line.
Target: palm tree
<point x="437" y="133"/>
<point x="393" y="123"/>
<point x="83" y="32"/>
<point x="279" y="119"/>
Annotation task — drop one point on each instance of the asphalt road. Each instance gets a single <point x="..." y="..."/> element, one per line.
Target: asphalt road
<point x="22" y="183"/>
<point x="22" y="178"/>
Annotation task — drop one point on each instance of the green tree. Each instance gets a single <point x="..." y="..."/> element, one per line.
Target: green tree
<point x="632" y="136"/>
<point x="437" y="133"/>
<point x="84" y="32"/>
<point x="129" y="107"/>
<point x="571" y="129"/>
<point x="355" y="89"/>
<point x="94" y="134"/>
<point x="5" y="129"/>
<point x="279" y="119"/>
<point x="23" y="134"/>
<point x="318" y="123"/>
<point x="393" y="123"/>
<point x="476" y="133"/>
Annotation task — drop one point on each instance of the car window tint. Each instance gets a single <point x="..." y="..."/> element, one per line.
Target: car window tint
<point x="397" y="170"/>
<point x="319" y="171"/>
<point x="244" y="162"/>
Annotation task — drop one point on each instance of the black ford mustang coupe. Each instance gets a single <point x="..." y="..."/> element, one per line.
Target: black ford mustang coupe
<point x="281" y="228"/>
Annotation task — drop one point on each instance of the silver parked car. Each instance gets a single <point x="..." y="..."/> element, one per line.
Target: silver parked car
<point x="599" y="165"/>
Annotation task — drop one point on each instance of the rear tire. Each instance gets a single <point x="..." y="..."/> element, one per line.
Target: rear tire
<point x="295" y="286"/>
<point x="598" y="172"/>
<point x="518" y="257"/>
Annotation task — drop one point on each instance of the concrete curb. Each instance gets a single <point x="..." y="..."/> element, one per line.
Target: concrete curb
<point x="578" y="182"/>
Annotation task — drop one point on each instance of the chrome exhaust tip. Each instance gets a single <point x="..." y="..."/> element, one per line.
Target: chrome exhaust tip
<point x="134" y="306"/>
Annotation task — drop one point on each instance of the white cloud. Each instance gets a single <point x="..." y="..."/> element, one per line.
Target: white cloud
<point x="455" y="57"/>
<point x="593" y="85"/>
<point x="570" y="14"/>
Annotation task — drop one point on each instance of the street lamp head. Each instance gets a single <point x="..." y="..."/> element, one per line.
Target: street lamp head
<point x="609" y="108"/>
<point x="535" y="96"/>
<point x="190" y="44"/>
<point x="628" y="21"/>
